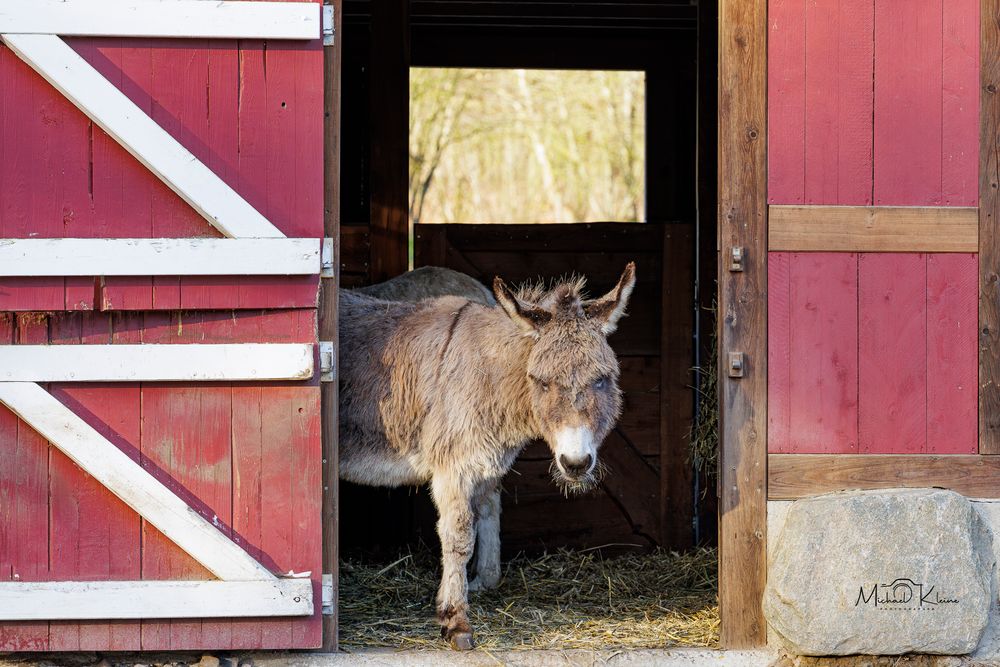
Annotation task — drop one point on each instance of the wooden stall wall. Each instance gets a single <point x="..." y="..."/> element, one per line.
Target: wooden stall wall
<point x="872" y="344"/>
<point x="246" y="455"/>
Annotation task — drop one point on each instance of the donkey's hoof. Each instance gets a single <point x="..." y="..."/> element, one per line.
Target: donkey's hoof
<point x="461" y="641"/>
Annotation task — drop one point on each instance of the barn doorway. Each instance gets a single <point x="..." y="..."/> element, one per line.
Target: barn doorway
<point x="657" y="499"/>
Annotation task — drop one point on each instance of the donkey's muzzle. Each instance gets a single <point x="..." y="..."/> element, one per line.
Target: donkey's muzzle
<point x="576" y="468"/>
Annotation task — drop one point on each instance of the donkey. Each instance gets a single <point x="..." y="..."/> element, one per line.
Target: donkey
<point x="428" y="282"/>
<point x="449" y="391"/>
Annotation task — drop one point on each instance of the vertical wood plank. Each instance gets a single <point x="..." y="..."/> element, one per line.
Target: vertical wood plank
<point x="186" y="435"/>
<point x="779" y="367"/>
<point x="823" y="353"/>
<point x="820" y="102"/>
<point x="838" y="102"/>
<point x="93" y="535"/>
<point x="676" y="511"/>
<point x="30" y="194"/>
<point x="952" y="426"/>
<point x="743" y="320"/>
<point x="328" y="323"/>
<point x="786" y="111"/>
<point x="960" y="103"/>
<point x="989" y="235"/>
<point x="892" y="312"/>
<point x="390" y="67"/>
<point x="908" y="108"/>
<point x="24" y="470"/>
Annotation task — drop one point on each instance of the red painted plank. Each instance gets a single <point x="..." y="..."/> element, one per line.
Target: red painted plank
<point x="820" y="102"/>
<point x="892" y="353"/>
<point x="93" y="535"/>
<point x="823" y="356"/>
<point x="838" y="102"/>
<point x="908" y="109"/>
<point x="24" y="469"/>
<point x="952" y="354"/>
<point x="31" y="201"/>
<point x="960" y="103"/>
<point x="786" y="119"/>
<point x="121" y="186"/>
<point x="778" y="348"/>
<point x="185" y="444"/>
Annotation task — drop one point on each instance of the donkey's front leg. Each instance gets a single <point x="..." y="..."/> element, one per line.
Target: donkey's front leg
<point x="455" y="530"/>
<point x="487" y="538"/>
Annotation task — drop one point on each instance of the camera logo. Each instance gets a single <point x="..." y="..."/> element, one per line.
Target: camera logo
<point x="902" y="595"/>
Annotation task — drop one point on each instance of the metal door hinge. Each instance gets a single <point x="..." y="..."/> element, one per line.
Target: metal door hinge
<point x="326" y="259"/>
<point x="327" y="361"/>
<point x="327" y="594"/>
<point x="329" y="30"/>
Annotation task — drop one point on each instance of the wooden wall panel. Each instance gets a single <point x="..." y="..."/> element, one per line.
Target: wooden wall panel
<point x="952" y="363"/>
<point x="245" y="455"/>
<point x="872" y="353"/>
<point x="926" y="103"/>
<point x="820" y="102"/>
<point x="813" y="355"/>
<point x="892" y="374"/>
<point x="250" y="111"/>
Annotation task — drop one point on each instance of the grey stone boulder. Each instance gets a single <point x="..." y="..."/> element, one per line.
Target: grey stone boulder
<point x="880" y="572"/>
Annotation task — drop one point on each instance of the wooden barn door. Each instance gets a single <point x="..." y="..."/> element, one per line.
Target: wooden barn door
<point x="161" y="210"/>
<point x="858" y="176"/>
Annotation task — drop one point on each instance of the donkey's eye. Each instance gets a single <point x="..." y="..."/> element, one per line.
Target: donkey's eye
<point x="600" y="383"/>
<point x="541" y="383"/>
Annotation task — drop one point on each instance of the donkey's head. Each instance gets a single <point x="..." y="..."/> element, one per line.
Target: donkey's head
<point x="572" y="372"/>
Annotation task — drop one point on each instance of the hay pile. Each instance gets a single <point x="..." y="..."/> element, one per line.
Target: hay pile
<point x="568" y="599"/>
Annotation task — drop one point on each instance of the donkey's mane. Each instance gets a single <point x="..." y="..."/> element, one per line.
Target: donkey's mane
<point x="535" y="291"/>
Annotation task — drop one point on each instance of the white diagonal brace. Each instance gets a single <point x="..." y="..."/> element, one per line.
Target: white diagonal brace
<point x="159" y="18"/>
<point x="117" y="600"/>
<point x="117" y="115"/>
<point x="160" y="257"/>
<point x="161" y="362"/>
<point x="129" y="481"/>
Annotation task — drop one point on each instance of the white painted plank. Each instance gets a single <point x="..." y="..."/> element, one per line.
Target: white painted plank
<point x="194" y="362"/>
<point x="136" y="487"/>
<point x="119" y="600"/>
<point x="159" y="257"/>
<point x="162" y="18"/>
<point x="117" y="115"/>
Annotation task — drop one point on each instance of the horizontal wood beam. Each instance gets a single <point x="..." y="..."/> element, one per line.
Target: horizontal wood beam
<point x="132" y="483"/>
<point x="177" y="18"/>
<point x="792" y="476"/>
<point x="873" y="229"/>
<point x="119" y="600"/>
<point x="140" y="135"/>
<point x="159" y="257"/>
<point x="195" y="362"/>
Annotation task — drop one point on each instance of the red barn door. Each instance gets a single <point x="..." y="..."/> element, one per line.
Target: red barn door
<point x="161" y="210"/>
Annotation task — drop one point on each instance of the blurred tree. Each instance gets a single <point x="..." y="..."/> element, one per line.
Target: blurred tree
<point x="526" y="145"/>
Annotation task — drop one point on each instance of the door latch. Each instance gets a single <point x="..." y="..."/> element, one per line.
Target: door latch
<point x="737" y="364"/>
<point x="737" y="258"/>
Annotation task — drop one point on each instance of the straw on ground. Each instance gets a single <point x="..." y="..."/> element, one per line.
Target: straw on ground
<point x="568" y="599"/>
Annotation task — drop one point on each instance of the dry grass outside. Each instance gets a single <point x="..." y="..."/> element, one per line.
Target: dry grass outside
<point x="563" y="600"/>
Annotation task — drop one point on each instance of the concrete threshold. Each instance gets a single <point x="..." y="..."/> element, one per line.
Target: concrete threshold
<point x="681" y="657"/>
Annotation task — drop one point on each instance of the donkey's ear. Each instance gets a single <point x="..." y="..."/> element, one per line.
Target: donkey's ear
<point x="530" y="318"/>
<point x="608" y="309"/>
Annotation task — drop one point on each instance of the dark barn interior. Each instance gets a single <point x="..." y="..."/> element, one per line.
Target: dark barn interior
<point x="652" y="496"/>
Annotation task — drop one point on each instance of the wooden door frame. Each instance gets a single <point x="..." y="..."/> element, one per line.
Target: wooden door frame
<point x="742" y="320"/>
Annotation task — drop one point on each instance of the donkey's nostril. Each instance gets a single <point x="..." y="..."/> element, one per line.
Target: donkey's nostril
<point x="579" y="467"/>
